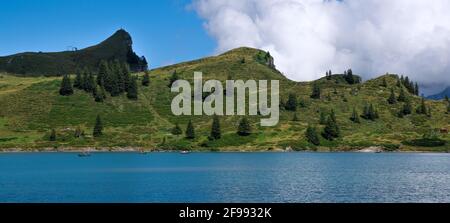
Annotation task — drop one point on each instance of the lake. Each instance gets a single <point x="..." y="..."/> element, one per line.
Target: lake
<point x="225" y="177"/>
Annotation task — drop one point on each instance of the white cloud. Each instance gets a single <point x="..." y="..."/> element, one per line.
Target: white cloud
<point x="308" y="37"/>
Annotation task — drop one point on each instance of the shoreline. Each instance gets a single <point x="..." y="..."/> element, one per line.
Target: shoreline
<point x="141" y="150"/>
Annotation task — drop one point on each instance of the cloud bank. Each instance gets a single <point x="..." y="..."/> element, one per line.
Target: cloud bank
<point x="309" y="37"/>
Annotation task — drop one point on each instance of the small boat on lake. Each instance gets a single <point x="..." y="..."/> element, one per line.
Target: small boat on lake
<point x="84" y="154"/>
<point x="185" y="152"/>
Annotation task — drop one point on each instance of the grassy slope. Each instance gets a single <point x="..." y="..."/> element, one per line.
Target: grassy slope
<point x="30" y="107"/>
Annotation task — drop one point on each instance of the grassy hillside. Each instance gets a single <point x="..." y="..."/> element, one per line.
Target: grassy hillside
<point x="31" y="107"/>
<point x="118" y="46"/>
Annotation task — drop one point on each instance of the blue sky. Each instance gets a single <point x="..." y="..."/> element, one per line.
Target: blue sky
<point x="165" y="31"/>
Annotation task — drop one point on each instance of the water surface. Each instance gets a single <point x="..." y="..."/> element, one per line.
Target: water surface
<point x="225" y="177"/>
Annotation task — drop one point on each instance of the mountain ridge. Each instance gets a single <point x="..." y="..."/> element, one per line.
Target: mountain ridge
<point x="116" y="47"/>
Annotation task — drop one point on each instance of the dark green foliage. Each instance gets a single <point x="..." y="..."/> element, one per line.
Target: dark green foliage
<point x="349" y="77"/>
<point x="355" y="116"/>
<point x="370" y="113"/>
<point x="173" y="78"/>
<point x="177" y="130"/>
<point x="66" y="86"/>
<point x="117" y="46"/>
<point x="89" y="82"/>
<point x="103" y="72"/>
<point x="99" y="94"/>
<point x="402" y="96"/>
<point x="323" y="118"/>
<point x="430" y="139"/>
<point x="315" y="91"/>
<point x="190" y="131"/>
<point x="392" y="98"/>
<point x="146" y="80"/>
<point x="406" y="109"/>
<point x="331" y="130"/>
<point x="422" y="109"/>
<point x="328" y="75"/>
<point x="244" y="128"/>
<point x="291" y="104"/>
<point x="215" y="128"/>
<point x="52" y="135"/>
<point x="416" y="89"/>
<point x="98" y="128"/>
<point x="312" y="136"/>
<point x="78" y="83"/>
<point x="132" y="91"/>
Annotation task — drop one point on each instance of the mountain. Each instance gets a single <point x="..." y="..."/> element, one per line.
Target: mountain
<point x="441" y="95"/>
<point x="118" y="46"/>
<point x="31" y="107"/>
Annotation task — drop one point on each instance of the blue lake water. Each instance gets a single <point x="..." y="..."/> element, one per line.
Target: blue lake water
<point x="225" y="177"/>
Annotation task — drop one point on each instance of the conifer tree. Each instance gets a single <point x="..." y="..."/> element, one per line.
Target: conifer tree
<point x="78" y="83"/>
<point x="349" y="77"/>
<point x="355" y="116"/>
<point x="416" y="89"/>
<point x="392" y="99"/>
<point x="78" y="132"/>
<point x="114" y="80"/>
<point x="402" y="96"/>
<point x="190" y="131"/>
<point x="312" y="136"/>
<point x="146" y="80"/>
<point x="399" y="82"/>
<point x="176" y="130"/>
<point x="98" y="128"/>
<point x="331" y="130"/>
<point x="315" y="91"/>
<point x="407" y="108"/>
<point x="103" y="72"/>
<point x="132" y="91"/>
<point x="99" y="94"/>
<point x="244" y="128"/>
<point x="66" y="86"/>
<point x="126" y="78"/>
<point x="215" y="128"/>
<point x="89" y="84"/>
<point x="323" y="118"/>
<point x="422" y="109"/>
<point x="291" y="104"/>
<point x="52" y="135"/>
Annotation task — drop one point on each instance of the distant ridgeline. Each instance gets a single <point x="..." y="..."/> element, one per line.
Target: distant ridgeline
<point x="117" y="47"/>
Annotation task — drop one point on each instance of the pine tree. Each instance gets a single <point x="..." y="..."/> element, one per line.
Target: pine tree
<point x="291" y="104"/>
<point x="416" y="89"/>
<point x="331" y="130"/>
<point x="315" y="91"/>
<point x="114" y="82"/>
<point x="99" y="94"/>
<point x="392" y="99"/>
<point x="312" y="136"/>
<point x="173" y="78"/>
<point x="422" y="109"/>
<point x="146" y="80"/>
<point x="126" y="78"/>
<point x="78" y="83"/>
<point x="399" y="82"/>
<point x="349" y="77"/>
<point x="244" y="128"/>
<point x="190" y="131"/>
<point x="89" y="84"/>
<point x="78" y="132"/>
<point x="98" y="128"/>
<point x="384" y="83"/>
<point x="176" y="130"/>
<point x="407" y="108"/>
<point x="355" y="116"/>
<point x="402" y="96"/>
<point x="66" y="86"/>
<point x="370" y="113"/>
<point x="52" y="135"/>
<point x="132" y="91"/>
<point x="103" y="72"/>
<point x="323" y="118"/>
<point x="446" y="98"/>
<point x="215" y="128"/>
